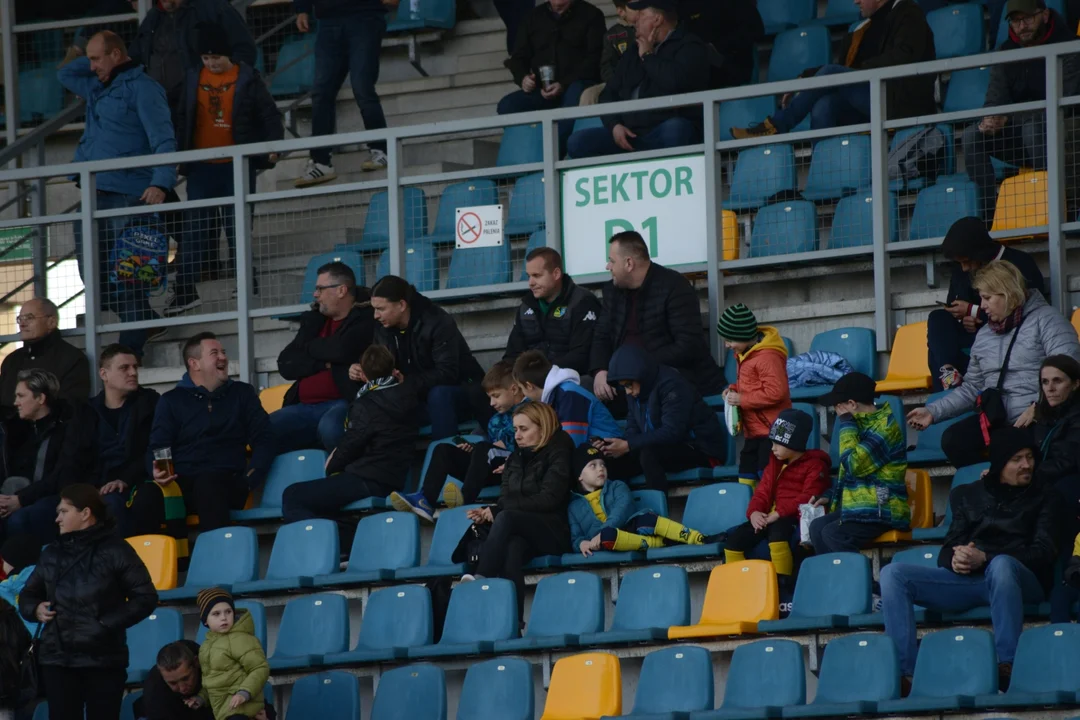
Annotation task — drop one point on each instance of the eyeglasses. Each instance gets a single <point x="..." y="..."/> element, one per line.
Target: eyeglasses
<point x="320" y="288"/>
<point x="1019" y="20"/>
<point x="27" y="319"/>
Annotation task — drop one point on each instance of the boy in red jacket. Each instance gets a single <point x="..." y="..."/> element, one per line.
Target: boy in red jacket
<point x="793" y="476"/>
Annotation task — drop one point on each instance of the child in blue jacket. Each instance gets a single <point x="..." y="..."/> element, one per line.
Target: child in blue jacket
<point x="580" y="413"/>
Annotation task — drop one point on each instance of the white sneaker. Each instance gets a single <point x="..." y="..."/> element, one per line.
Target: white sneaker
<point x="376" y="162"/>
<point x="315" y="174"/>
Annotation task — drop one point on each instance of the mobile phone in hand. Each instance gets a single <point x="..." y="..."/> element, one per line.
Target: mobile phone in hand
<point x="596" y="439"/>
<point x="942" y="304"/>
<point x="458" y="440"/>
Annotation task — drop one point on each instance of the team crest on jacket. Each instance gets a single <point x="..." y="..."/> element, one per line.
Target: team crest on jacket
<point x="559" y="311"/>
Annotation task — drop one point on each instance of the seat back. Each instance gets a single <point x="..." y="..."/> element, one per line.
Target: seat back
<point x="920" y="498"/>
<point x="386" y="541"/>
<point x="761" y="172"/>
<point x="832" y="584"/>
<point x="741" y="592"/>
<point x="766" y="672"/>
<point x="273" y="398"/>
<point x="376" y="235"/>
<point x="584" y="686"/>
<point x="786" y="227"/>
<point x="651" y="597"/>
<point x="840" y="9"/>
<point x="957" y="661"/>
<point x="144" y="639"/>
<point x="798" y="49"/>
<point x="958" y="30"/>
<point x="449" y="529"/>
<point x="537" y="239"/>
<point x="470" y="267"/>
<point x="651" y="500"/>
<point x="473" y="192"/>
<point x="158" y="553"/>
<point x="258" y="617"/>
<point x="744" y="112"/>
<point x="1022" y="202"/>
<point x="861" y="667"/>
<point x="925" y="555"/>
<point x="907" y="361"/>
<point x="326" y="695"/>
<point x="1047" y="660"/>
<point x="678" y="679"/>
<point x="313" y="625"/>
<point x="500" y="688"/>
<point x="224" y="556"/>
<point x="295" y="69"/>
<point x="305" y="548"/>
<point x="814" y="441"/>
<point x="939" y="206"/>
<point x="526" y="213"/>
<point x="569" y="603"/>
<point x="413" y="692"/>
<point x="856" y="345"/>
<point x="41" y="96"/>
<point x="397" y="616"/>
<point x="963" y="476"/>
<point x="839" y="166"/>
<point x="291" y="468"/>
<point x="311" y="274"/>
<point x="424" y="14"/>
<point x="481" y="610"/>
<point x="778" y="14"/>
<point x="521" y="144"/>
<point x="421" y="265"/>
<point x="1075" y="320"/>
<point x="967" y="89"/>
<point x="853" y="221"/>
<point x="716" y="508"/>
<point x="127" y="707"/>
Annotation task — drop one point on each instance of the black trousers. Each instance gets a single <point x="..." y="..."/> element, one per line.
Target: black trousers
<point x="744" y="538"/>
<point x="515" y="539"/>
<point x="211" y="496"/>
<point x="657" y="461"/>
<point x="324" y="498"/>
<point x="471" y="467"/>
<point x="946" y="341"/>
<point x="963" y="442"/>
<point x="754" y="456"/>
<point x="828" y="534"/>
<point x="71" y="690"/>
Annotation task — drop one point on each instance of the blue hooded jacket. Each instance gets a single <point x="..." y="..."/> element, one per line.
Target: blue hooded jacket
<point x="10" y="589"/>
<point x="618" y="506"/>
<point x="669" y="409"/>
<point x="580" y="413"/>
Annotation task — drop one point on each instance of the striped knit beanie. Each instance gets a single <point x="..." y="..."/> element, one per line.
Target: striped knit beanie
<point x="210" y="597"/>
<point x="737" y="324"/>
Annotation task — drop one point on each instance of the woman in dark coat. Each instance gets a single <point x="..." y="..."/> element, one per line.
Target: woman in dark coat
<point x="88" y="588"/>
<point x="530" y="518"/>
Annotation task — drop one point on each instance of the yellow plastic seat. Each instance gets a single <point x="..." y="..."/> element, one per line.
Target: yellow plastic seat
<point x="738" y="597"/>
<point x="729" y="228"/>
<point x="584" y="687"/>
<point x="1022" y="202"/>
<point x="158" y="553"/>
<point x="1076" y="320"/>
<point x="921" y="499"/>
<point x="908" y="367"/>
<point x="272" y="398"/>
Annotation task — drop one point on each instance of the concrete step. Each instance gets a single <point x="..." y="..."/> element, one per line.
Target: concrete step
<point x="480" y="62"/>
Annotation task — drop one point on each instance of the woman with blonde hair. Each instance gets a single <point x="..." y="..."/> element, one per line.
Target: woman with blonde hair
<point x="530" y="518"/>
<point x="1002" y="381"/>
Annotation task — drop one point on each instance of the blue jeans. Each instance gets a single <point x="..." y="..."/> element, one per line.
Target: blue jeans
<point x="204" y="225"/>
<point x="673" y="132"/>
<point x="128" y="300"/>
<point x="1005" y="585"/>
<point x="347" y="46"/>
<point x="520" y="101"/>
<point x="38" y="520"/>
<point x="827" y="107"/>
<point x="300" y="426"/>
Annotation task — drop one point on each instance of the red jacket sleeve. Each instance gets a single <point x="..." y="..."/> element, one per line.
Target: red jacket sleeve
<point x="814" y="479"/>
<point x="763" y="382"/>
<point x="764" y="495"/>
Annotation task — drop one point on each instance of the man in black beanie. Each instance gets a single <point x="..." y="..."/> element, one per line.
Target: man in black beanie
<point x="999" y="551"/>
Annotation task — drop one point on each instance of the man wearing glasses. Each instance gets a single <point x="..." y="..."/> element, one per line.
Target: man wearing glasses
<point x="43" y="348"/>
<point x="1020" y="138"/>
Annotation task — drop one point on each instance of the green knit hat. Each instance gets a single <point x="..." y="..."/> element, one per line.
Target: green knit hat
<point x="737" y="324"/>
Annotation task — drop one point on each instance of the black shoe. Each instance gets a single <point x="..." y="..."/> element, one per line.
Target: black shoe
<point x="181" y="303"/>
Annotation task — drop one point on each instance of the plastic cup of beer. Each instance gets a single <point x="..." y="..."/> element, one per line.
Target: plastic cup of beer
<point x="163" y="461"/>
<point x="547" y="75"/>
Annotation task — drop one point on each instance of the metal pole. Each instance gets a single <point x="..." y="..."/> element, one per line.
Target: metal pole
<point x="1055" y="168"/>
<point x="244" y="272"/>
<point x="879" y="178"/>
<point x="87" y="205"/>
<point x="144" y="7"/>
<point x="11" y="90"/>
<point x="552" y="189"/>
<point x="714" y="227"/>
<point x="394" y="207"/>
<point x="40" y="246"/>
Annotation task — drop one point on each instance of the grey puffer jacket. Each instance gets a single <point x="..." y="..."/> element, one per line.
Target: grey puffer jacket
<point x="1043" y="332"/>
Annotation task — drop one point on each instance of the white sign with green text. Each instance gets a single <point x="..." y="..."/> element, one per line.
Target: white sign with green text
<point x="663" y="199"/>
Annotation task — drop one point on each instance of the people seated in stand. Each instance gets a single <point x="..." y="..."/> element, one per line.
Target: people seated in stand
<point x="322" y="360"/>
<point x="173" y="687"/>
<point x="431" y="354"/>
<point x="125" y="414"/>
<point x="477" y="465"/>
<point x="761" y="389"/>
<point x="234" y="667"/>
<point x="1002" y="380"/>
<point x="557" y="317"/>
<point x="669" y="428"/>
<point x="1020" y="138"/>
<point x="52" y="443"/>
<point x="999" y="551"/>
<point x="566" y="39"/>
<point x="892" y="32"/>
<point x="44" y="348"/>
<point x="792" y="478"/>
<point x="19" y="556"/>
<point x="668" y="60"/>
<point x="602" y="515"/>
<point x="951" y="330"/>
<point x="618" y="39"/>
<point x="870" y="495"/>
<point x="372" y="459"/>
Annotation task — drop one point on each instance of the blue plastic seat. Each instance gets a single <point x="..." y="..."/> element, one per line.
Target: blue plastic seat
<point x="326" y="695"/>
<point x="550" y="625"/>
<point x="421" y="266"/>
<point x="796" y="50"/>
<point x="311" y="626"/>
<point x="782" y="228"/>
<point x="165" y="625"/>
<point x="856" y="345"/>
<point x="710" y="509"/>
<point x="654" y="500"/>
<point x="41" y="712"/>
<point x="765" y="676"/>
<point x="449" y="529"/>
<point x="480" y="614"/>
<point x="587" y="124"/>
<point x="840" y="166"/>
<point x="301" y="551"/>
<point x="939" y="206"/>
<point x="744" y="112"/>
<point x="287" y="469"/>
<point x="425" y="14"/>
<point x="413" y="692"/>
<point x="477" y="191"/>
<point x="857" y="672"/>
<point x="924" y="555"/>
<point x="829" y="588"/>
<point x="258" y="617"/>
<point x="673" y="682"/>
<point x="948" y="164"/>
<point x="837" y="12"/>
<point x="928" y="442"/>
<point x="963" y="476"/>
<point x="651" y="600"/>
<point x="127" y="707"/>
<point x="778" y="15"/>
<point x="853" y="221"/>
<point x="966" y="90"/>
<point x="299" y="77"/>
<point x="958" y="30"/>
<point x="383" y="543"/>
<point x="520" y="145"/>
<point x="1046" y="669"/>
<point x="526" y="213"/>
<point x="952" y="668"/>
<point x="41" y="96"/>
<point x="375" y="237"/>
<point x="761" y="172"/>
<point x="220" y="558"/>
<point x="470" y="267"/>
<point x="350" y="257"/>
<point x="500" y="688"/>
<point x="395" y="619"/>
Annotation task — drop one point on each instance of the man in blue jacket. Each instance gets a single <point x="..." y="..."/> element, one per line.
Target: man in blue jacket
<point x="126" y="115"/>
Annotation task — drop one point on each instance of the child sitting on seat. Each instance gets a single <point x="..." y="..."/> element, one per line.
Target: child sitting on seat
<point x="793" y="476"/>
<point x="234" y="667"/>
<point x="602" y="517"/>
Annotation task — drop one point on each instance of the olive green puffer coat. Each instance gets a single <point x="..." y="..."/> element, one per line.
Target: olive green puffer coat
<point x="231" y="662"/>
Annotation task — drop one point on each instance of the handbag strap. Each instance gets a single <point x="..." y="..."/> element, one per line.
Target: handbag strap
<point x="1008" y="353"/>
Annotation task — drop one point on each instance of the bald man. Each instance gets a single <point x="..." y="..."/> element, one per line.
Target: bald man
<point x="44" y="348"/>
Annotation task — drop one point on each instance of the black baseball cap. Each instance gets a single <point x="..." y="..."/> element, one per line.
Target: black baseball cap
<point x="665" y="5"/>
<point x="853" y="386"/>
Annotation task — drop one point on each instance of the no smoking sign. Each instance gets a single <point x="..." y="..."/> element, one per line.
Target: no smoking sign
<point x="479" y="226"/>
